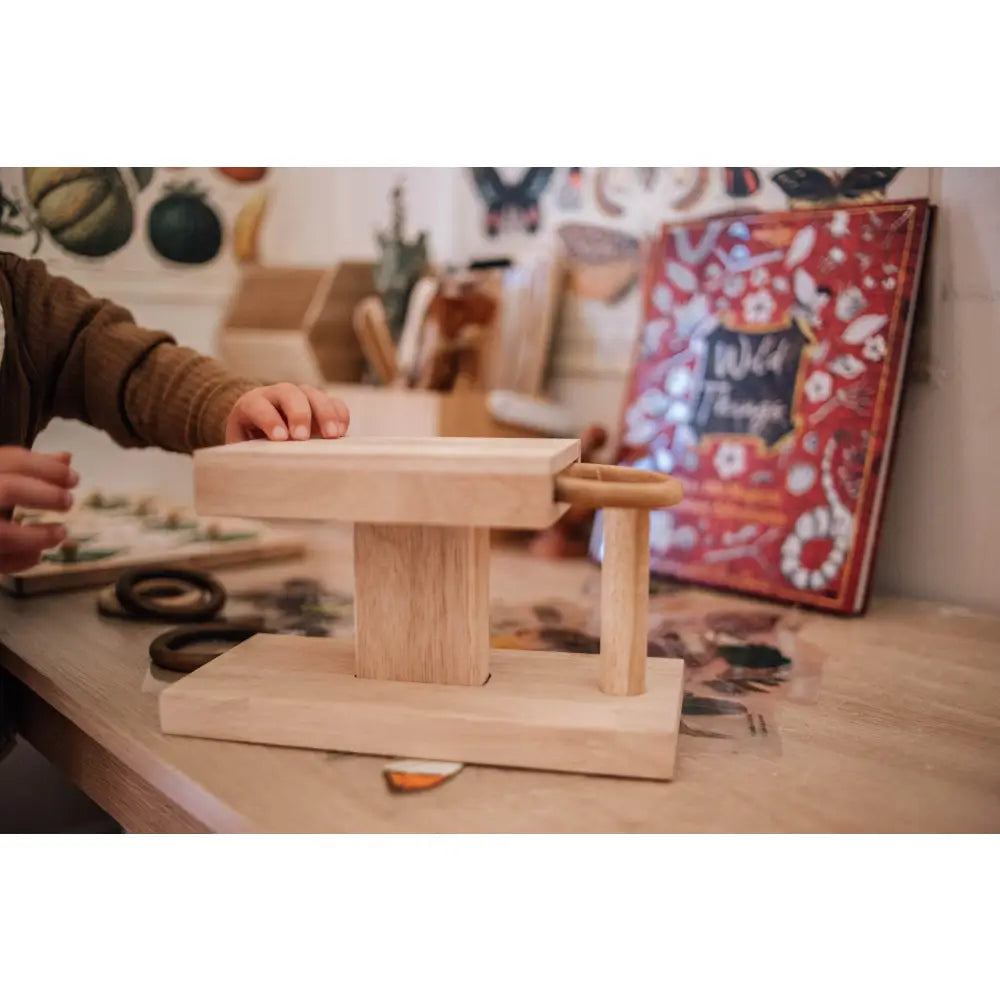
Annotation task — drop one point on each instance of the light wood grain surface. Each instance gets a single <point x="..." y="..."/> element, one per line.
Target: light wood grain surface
<point x="490" y="482"/>
<point x="422" y="603"/>
<point x="539" y="710"/>
<point x="905" y="735"/>
<point x="624" y="601"/>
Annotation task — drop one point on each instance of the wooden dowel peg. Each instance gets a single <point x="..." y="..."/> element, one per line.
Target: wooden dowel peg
<point x="372" y="331"/>
<point x="624" y="601"/>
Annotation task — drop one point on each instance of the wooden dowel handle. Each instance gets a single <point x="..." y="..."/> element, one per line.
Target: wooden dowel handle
<point x="372" y="331"/>
<point x="588" y="485"/>
<point x="624" y="602"/>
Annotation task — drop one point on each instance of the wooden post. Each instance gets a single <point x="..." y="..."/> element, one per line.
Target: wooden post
<point x="624" y="601"/>
<point x="421" y="605"/>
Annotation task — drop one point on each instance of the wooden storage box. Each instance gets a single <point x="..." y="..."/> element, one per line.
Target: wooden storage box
<point x="296" y="325"/>
<point x="383" y="411"/>
<point x="288" y="324"/>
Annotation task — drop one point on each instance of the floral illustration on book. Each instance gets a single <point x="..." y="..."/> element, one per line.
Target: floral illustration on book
<point x="761" y="379"/>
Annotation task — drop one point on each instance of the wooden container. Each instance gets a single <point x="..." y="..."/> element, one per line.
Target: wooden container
<point x="383" y="411"/>
<point x="297" y="325"/>
<point x="289" y="324"/>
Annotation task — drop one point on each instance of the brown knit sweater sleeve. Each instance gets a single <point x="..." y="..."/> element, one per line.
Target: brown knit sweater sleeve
<point x="92" y="362"/>
<point x="179" y="400"/>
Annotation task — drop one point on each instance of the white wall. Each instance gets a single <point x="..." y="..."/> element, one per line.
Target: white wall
<point x="322" y="215"/>
<point x="941" y="539"/>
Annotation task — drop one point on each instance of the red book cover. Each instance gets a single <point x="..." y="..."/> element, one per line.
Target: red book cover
<point x="767" y="377"/>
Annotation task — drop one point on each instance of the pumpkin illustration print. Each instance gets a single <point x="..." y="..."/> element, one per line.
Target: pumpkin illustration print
<point x="86" y="210"/>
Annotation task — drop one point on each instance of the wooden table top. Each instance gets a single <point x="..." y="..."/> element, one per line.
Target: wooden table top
<point x="905" y="735"/>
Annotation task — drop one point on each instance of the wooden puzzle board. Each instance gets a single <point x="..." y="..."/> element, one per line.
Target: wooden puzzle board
<point x="130" y="532"/>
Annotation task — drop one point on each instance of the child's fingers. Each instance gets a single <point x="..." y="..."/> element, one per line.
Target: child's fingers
<point x="25" y="539"/>
<point x="330" y="415"/>
<point x="26" y="491"/>
<point x="257" y="412"/>
<point x="294" y="404"/>
<point x="51" y="468"/>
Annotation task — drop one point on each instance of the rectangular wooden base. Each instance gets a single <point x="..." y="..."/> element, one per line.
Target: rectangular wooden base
<point x="538" y="710"/>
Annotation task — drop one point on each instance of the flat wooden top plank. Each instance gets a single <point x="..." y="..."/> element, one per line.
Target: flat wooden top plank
<point x="905" y="736"/>
<point x="431" y="454"/>
<point x="489" y="482"/>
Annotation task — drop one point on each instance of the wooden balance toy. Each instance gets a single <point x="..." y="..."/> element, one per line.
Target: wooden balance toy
<point x="420" y="678"/>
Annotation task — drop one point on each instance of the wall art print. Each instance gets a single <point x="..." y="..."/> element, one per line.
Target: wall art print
<point x="142" y="218"/>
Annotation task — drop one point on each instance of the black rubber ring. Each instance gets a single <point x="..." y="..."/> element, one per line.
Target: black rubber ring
<point x="138" y="603"/>
<point x="167" y="650"/>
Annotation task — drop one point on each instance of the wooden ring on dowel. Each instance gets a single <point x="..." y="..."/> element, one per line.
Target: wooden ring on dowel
<point x="590" y="485"/>
<point x="627" y="496"/>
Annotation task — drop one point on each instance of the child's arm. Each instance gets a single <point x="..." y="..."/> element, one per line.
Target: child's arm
<point x="93" y="363"/>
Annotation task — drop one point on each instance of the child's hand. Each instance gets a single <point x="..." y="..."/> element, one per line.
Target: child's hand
<point x="31" y="480"/>
<point x="284" y="411"/>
